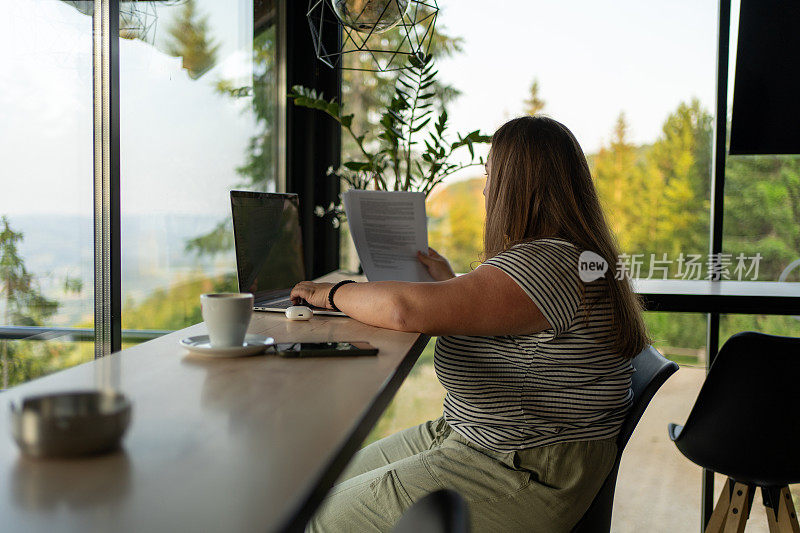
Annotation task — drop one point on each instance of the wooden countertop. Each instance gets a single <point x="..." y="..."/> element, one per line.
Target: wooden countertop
<point x="250" y="444"/>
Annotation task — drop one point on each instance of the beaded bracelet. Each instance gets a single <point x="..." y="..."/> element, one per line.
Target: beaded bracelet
<point x="334" y="289"/>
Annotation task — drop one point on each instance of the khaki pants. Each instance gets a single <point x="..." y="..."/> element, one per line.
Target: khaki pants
<point x="537" y="489"/>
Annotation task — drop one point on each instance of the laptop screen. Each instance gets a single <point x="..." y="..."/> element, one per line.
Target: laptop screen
<point x="269" y="244"/>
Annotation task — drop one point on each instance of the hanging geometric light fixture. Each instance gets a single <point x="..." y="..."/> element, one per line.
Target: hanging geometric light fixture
<point x="138" y="20"/>
<point x="383" y="33"/>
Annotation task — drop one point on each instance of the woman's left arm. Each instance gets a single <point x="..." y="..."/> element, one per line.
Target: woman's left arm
<point x="484" y="302"/>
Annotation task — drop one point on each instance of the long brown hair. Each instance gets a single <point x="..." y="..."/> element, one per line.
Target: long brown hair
<point x="540" y="186"/>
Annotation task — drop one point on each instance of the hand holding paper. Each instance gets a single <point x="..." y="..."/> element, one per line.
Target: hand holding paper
<point x="388" y="229"/>
<point x="438" y="266"/>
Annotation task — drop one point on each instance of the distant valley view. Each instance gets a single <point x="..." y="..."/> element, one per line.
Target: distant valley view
<point x="154" y="257"/>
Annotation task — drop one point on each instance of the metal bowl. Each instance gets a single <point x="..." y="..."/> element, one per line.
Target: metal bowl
<point x="70" y="424"/>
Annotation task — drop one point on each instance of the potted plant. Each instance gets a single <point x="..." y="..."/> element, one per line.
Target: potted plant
<point x="411" y="150"/>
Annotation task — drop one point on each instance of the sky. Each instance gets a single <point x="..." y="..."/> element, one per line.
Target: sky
<point x="593" y="60"/>
<point x="181" y="141"/>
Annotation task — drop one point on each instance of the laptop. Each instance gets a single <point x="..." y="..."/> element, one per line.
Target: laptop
<point x="269" y="248"/>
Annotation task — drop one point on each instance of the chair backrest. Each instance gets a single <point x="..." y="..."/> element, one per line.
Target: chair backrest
<point x="652" y="370"/>
<point x="442" y="511"/>
<point x="744" y="421"/>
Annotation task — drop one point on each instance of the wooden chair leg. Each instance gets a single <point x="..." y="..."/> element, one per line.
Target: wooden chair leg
<point x="717" y="521"/>
<point x="739" y="509"/>
<point x="771" y="508"/>
<point x="772" y="521"/>
<point x="786" y="521"/>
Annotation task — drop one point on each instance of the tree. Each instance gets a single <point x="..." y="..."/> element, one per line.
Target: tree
<point x="23" y="302"/>
<point x="657" y="197"/>
<point x="617" y="172"/>
<point x="257" y="173"/>
<point x="534" y="103"/>
<point x="762" y="211"/>
<point x="176" y="306"/>
<point x="678" y="172"/>
<point x="456" y="214"/>
<point x="191" y="42"/>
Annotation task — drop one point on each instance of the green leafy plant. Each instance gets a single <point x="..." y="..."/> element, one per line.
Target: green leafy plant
<point x="412" y="149"/>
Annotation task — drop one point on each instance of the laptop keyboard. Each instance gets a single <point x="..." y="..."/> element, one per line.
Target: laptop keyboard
<point x="285" y="304"/>
<point x="280" y="304"/>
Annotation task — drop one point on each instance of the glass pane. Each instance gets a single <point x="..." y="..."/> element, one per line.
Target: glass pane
<point x="418" y="399"/>
<point x="46" y="227"/>
<point x="655" y="478"/>
<point x="787" y="326"/>
<point x="762" y="203"/>
<point x="197" y="111"/>
<point x="657" y="488"/>
<point x="639" y="99"/>
<point x="642" y="113"/>
<point x="680" y="337"/>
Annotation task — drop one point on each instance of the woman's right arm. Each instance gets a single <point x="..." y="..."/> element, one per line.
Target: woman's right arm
<point x="485" y="301"/>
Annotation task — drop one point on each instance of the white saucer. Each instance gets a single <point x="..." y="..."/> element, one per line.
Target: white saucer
<point x="253" y="344"/>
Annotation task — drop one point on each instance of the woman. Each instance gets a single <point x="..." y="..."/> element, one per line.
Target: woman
<point x="535" y="362"/>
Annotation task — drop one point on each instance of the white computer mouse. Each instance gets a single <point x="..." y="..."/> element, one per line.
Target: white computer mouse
<point x="299" y="312"/>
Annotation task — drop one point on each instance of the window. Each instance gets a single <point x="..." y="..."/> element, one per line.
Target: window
<point x="46" y="226"/>
<point x="637" y="87"/>
<point x="197" y="107"/>
<point x="642" y="113"/>
<point x="197" y="118"/>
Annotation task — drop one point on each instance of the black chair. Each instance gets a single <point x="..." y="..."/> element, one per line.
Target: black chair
<point x="652" y="370"/>
<point x="442" y="511"/>
<point x="744" y="425"/>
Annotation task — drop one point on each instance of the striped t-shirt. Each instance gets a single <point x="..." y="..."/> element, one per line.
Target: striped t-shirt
<point x="562" y="384"/>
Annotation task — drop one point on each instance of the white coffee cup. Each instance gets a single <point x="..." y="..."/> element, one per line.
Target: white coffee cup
<point x="227" y="315"/>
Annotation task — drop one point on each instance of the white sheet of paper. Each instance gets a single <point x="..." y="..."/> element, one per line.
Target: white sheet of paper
<point x="388" y="228"/>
